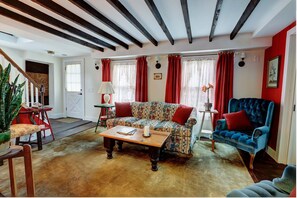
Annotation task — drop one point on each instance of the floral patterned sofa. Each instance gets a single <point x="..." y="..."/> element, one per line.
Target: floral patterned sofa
<point x="158" y="115"/>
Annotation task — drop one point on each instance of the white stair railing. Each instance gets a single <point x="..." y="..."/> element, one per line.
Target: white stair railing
<point x="33" y="92"/>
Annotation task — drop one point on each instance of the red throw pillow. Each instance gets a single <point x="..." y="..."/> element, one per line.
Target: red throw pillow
<point x="123" y="109"/>
<point x="293" y="192"/>
<point x="238" y="121"/>
<point x="182" y="114"/>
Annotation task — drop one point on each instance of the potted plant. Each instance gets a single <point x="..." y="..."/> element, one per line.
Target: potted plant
<point x="10" y="104"/>
<point x="205" y="88"/>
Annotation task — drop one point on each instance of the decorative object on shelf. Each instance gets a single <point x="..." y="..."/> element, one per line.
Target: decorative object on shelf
<point x="157" y="76"/>
<point x="10" y="104"/>
<point x="106" y="89"/>
<point x="272" y="74"/>
<point x="242" y="56"/>
<point x="205" y="88"/>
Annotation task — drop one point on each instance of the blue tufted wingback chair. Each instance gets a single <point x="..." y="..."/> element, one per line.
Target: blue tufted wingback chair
<point x="260" y="113"/>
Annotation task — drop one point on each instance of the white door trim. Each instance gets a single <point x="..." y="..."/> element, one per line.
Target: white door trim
<point x="287" y="98"/>
<point x="82" y="62"/>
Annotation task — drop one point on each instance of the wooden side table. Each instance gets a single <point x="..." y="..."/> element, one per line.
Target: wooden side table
<point x="102" y="106"/>
<point x="203" y="131"/>
<point x="20" y="151"/>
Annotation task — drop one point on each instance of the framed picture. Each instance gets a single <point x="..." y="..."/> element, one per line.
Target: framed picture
<point x="272" y="73"/>
<point x="157" y="76"/>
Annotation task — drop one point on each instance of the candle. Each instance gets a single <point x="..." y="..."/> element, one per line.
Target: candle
<point x="146" y="131"/>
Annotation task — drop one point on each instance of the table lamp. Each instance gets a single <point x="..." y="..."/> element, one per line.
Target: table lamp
<point x="106" y="89"/>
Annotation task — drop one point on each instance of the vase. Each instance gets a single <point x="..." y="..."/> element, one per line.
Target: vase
<point x="4" y="142"/>
<point x="207" y="106"/>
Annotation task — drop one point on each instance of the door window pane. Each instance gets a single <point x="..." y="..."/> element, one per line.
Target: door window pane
<point x="73" y="77"/>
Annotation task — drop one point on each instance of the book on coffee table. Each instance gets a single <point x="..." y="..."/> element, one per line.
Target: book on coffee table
<point x="126" y="130"/>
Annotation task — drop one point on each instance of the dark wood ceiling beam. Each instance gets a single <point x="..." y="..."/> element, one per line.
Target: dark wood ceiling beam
<point x="158" y="17"/>
<point x="51" y="20"/>
<point x="30" y="22"/>
<point x="215" y="19"/>
<point x="95" y="13"/>
<point x="54" y="7"/>
<point x="121" y="9"/>
<point x="184" y="5"/>
<point x="247" y="12"/>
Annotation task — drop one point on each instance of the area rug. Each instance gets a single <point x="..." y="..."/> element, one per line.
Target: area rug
<point x="68" y="120"/>
<point x="77" y="166"/>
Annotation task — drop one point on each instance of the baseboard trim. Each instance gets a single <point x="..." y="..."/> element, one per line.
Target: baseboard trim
<point x="272" y="153"/>
<point x="90" y="118"/>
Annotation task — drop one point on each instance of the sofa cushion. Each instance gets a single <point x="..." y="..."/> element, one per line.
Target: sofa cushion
<point x="146" y="122"/>
<point x="124" y="121"/>
<point x="255" y="108"/>
<point x="264" y="188"/>
<point x="238" y="121"/>
<point x="156" y="111"/>
<point x="123" y="109"/>
<point x="235" y="137"/>
<point x="174" y="128"/>
<point x="182" y="114"/>
<point x="18" y="130"/>
<point x="169" y="110"/>
<point x="141" y="109"/>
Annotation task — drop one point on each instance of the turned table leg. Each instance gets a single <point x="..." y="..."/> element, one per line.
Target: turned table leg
<point x="109" y="144"/>
<point x="120" y="145"/>
<point x="154" y="154"/>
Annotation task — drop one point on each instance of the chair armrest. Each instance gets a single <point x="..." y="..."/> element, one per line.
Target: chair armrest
<point x="221" y="125"/>
<point x="260" y="131"/>
<point x="111" y="113"/>
<point x="190" y="122"/>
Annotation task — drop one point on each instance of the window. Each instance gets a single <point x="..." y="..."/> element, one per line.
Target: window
<point x="195" y="74"/>
<point x="73" y="77"/>
<point x="124" y="81"/>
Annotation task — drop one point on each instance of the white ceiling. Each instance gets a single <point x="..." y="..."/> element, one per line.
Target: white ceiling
<point x="269" y="17"/>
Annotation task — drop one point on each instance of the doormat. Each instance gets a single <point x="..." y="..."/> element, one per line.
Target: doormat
<point x="68" y="120"/>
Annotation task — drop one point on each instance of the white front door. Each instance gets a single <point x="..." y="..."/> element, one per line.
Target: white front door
<point x="74" y="89"/>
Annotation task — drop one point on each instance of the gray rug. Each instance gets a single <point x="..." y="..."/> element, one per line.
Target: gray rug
<point x="77" y="166"/>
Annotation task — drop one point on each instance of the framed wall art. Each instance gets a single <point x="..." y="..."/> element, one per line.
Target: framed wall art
<point x="157" y="76"/>
<point x="272" y="72"/>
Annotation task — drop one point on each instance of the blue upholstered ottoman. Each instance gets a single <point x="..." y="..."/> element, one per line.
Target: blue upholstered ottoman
<point x="278" y="187"/>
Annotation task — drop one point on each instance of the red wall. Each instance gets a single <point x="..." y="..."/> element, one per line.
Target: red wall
<point x="278" y="48"/>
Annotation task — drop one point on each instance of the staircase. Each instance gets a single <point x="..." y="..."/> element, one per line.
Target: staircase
<point x="33" y="92"/>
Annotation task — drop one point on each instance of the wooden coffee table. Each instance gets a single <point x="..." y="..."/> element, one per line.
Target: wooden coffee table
<point x="155" y="142"/>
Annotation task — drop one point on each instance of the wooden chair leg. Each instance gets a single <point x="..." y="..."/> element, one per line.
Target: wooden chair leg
<point x="17" y="141"/>
<point x="212" y="145"/>
<point x="252" y="157"/>
<point x="39" y="140"/>
<point x="29" y="170"/>
<point x="13" y="186"/>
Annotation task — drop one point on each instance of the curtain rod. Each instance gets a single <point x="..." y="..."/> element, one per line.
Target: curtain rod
<point x="193" y="55"/>
<point x="127" y="59"/>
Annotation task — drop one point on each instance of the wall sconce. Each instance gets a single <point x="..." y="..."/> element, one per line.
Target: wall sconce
<point x="242" y="56"/>
<point x="158" y="65"/>
<point x="96" y="66"/>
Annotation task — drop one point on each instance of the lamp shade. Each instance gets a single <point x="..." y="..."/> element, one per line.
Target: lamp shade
<point x="106" y="88"/>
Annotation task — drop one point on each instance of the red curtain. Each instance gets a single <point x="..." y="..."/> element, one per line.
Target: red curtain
<point x="106" y="77"/>
<point x="224" y="83"/>
<point x="173" y="83"/>
<point x="141" y="92"/>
